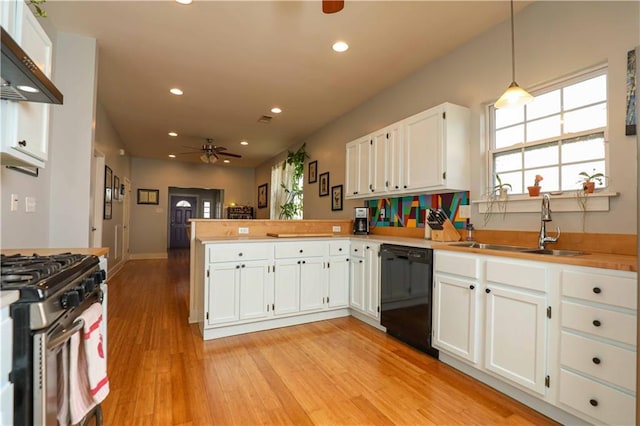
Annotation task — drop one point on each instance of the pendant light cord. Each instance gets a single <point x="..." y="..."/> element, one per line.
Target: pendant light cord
<point x="513" y="48"/>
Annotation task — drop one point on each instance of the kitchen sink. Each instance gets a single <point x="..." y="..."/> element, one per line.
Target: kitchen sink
<point x="558" y="252"/>
<point x="519" y="249"/>
<point x="493" y="246"/>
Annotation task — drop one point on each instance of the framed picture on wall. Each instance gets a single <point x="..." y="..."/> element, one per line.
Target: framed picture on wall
<point x="148" y="196"/>
<point x="323" y="188"/>
<point x="108" y="182"/>
<point x="262" y="196"/>
<point x="313" y="171"/>
<point x="116" y="188"/>
<point x="336" y="197"/>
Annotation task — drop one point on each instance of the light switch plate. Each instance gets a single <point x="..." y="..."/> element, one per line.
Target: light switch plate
<point x="30" y="204"/>
<point x="464" y="212"/>
<point x="15" y="201"/>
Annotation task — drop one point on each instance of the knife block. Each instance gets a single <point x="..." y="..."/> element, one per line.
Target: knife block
<point x="447" y="233"/>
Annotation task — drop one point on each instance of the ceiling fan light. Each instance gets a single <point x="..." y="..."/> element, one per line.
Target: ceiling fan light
<point x="514" y="96"/>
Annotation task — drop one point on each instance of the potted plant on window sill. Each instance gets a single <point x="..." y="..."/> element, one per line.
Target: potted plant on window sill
<point x="534" y="190"/>
<point x="501" y="189"/>
<point x="589" y="181"/>
<point x="497" y="199"/>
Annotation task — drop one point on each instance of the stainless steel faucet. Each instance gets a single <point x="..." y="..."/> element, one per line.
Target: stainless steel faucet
<point x="546" y="217"/>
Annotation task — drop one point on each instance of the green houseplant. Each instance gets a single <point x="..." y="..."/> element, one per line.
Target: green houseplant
<point x="501" y="188"/>
<point x="293" y="206"/>
<point x="588" y="181"/>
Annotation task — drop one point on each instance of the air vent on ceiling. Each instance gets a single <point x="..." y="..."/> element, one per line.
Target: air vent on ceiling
<point x="265" y="119"/>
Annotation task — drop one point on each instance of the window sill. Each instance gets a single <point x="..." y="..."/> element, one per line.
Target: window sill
<point x="564" y="202"/>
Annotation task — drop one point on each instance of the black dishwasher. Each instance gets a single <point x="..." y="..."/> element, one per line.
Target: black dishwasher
<point x="406" y="294"/>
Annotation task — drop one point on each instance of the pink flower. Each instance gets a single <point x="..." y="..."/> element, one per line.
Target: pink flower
<point x="537" y="180"/>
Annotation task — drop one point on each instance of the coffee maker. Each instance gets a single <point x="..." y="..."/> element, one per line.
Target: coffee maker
<point x="361" y="221"/>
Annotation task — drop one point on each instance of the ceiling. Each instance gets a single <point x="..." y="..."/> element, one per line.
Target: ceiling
<point x="235" y="60"/>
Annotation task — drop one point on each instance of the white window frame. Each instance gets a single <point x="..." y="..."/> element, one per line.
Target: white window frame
<point x="557" y="84"/>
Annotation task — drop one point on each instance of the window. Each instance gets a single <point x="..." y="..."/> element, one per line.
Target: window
<point x="183" y="203"/>
<point x="561" y="133"/>
<point x="286" y="191"/>
<point x="206" y="209"/>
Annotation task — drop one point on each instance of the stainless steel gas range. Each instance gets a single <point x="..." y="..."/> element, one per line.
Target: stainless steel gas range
<point x="54" y="291"/>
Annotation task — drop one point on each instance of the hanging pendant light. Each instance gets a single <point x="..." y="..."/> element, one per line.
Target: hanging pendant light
<point x="514" y="96"/>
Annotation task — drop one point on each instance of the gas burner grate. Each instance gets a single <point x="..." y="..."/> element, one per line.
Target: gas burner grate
<point x="19" y="271"/>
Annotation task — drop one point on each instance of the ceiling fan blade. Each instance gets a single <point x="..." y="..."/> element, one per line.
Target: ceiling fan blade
<point x="228" y="154"/>
<point x="219" y="148"/>
<point x="332" y="6"/>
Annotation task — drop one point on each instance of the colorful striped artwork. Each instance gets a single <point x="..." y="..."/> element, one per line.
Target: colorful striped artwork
<point x="410" y="211"/>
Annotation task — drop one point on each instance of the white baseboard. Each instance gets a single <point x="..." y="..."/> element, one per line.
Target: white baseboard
<point x="367" y="319"/>
<point x="147" y="256"/>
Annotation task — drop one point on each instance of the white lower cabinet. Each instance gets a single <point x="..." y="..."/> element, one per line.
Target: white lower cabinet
<point x="365" y="278"/>
<point x="598" y="347"/>
<point x="563" y="334"/>
<point x="338" y="294"/>
<point x="6" y="356"/>
<point x="313" y="284"/>
<point x="455" y="305"/>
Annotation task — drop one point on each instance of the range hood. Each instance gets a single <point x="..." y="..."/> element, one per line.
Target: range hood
<point x="22" y="80"/>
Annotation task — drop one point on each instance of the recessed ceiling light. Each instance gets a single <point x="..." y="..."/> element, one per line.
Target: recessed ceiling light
<point x="184" y="1"/>
<point x="28" y="89"/>
<point x="226" y="161"/>
<point x="174" y="134"/>
<point x="340" y="46"/>
<point x="244" y="143"/>
<point x="276" y="110"/>
<point x="176" y="91"/>
<point x="172" y="156"/>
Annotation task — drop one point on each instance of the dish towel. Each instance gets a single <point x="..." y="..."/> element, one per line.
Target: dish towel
<point x="88" y="382"/>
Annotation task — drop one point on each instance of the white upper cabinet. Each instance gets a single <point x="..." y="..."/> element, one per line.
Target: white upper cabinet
<point x="426" y="152"/>
<point x="25" y="125"/>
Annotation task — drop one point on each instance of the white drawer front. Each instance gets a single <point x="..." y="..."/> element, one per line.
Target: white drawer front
<point x="466" y="266"/>
<point x="358" y="249"/>
<point x="599" y="322"/>
<point x="612" y="290"/>
<point x="301" y="249"/>
<point x="338" y="248"/>
<point x="232" y="252"/>
<point x="6" y="347"/>
<point x="607" y="362"/>
<point x="596" y="400"/>
<point x="517" y="275"/>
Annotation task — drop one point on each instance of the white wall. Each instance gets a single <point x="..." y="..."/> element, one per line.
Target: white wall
<point x="553" y="39"/>
<point x="149" y="222"/>
<point x="71" y="141"/>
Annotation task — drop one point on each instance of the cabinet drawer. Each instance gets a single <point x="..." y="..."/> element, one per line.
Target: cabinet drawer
<point x="301" y="249"/>
<point x="596" y="400"/>
<point x="527" y="276"/>
<point x="338" y="248"/>
<point x="359" y="248"/>
<point x="612" y="290"/>
<point x="231" y="252"/>
<point x="601" y="360"/>
<point x="457" y="264"/>
<point x="599" y="322"/>
<point x="6" y="333"/>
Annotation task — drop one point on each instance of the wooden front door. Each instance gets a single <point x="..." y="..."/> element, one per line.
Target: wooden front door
<point x="182" y="209"/>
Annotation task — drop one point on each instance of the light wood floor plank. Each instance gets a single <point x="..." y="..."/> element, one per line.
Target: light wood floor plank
<point x="331" y="372"/>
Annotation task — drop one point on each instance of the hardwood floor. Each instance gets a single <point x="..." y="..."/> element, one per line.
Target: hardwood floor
<point x="332" y="372"/>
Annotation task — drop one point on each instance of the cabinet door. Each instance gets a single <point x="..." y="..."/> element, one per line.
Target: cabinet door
<point x="379" y="160"/>
<point x="287" y="287"/>
<point x="455" y="303"/>
<point x="423" y="150"/>
<point x="364" y="177"/>
<point x="516" y="336"/>
<point x="223" y="297"/>
<point x="372" y="281"/>
<point x="394" y="159"/>
<point x="357" y="268"/>
<point x="255" y="291"/>
<point x="313" y="283"/>
<point x="353" y="170"/>
<point x="338" y="295"/>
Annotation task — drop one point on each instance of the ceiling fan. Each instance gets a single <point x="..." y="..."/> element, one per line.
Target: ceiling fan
<point x="210" y="153"/>
<point x="332" y="6"/>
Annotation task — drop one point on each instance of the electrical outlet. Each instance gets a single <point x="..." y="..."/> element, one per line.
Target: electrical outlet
<point x="383" y="213"/>
<point x="243" y="230"/>
<point x="15" y="201"/>
<point x="337" y="228"/>
<point x="464" y="212"/>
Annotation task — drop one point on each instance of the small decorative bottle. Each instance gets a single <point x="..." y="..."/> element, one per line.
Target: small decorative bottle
<point x="470" y="236"/>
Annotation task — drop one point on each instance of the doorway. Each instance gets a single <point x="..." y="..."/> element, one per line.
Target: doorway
<point x="183" y="208"/>
<point x="97" y="200"/>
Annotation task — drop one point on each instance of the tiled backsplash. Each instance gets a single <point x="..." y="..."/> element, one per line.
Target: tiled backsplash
<point x="410" y="211"/>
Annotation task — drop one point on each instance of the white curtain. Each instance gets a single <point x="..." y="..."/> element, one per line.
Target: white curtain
<point x="280" y="173"/>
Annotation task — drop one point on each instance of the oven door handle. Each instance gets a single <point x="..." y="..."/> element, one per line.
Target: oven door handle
<point x="64" y="335"/>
